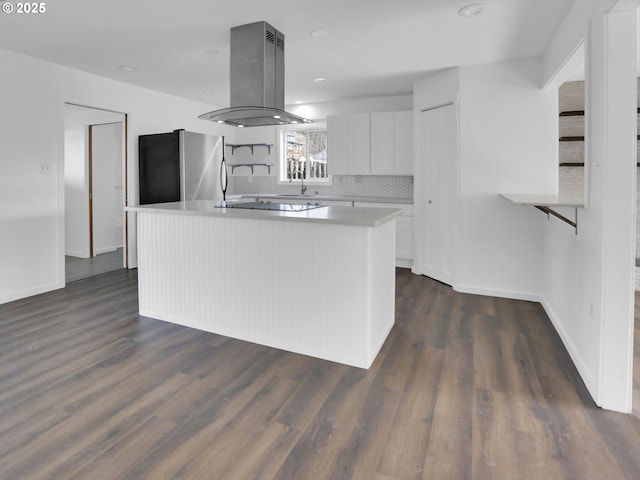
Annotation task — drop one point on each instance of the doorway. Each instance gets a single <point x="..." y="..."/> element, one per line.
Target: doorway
<point x="95" y="186"/>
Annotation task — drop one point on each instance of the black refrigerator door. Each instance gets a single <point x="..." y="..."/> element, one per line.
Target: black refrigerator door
<point x="159" y="168"/>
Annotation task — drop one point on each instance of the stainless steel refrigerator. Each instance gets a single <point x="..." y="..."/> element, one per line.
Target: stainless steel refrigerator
<point x="179" y="166"/>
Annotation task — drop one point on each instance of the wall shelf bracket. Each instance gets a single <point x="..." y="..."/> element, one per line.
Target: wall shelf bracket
<point x="550" y="211"/>
<point x="234" y="146"/>
<point x="251" y="166"/>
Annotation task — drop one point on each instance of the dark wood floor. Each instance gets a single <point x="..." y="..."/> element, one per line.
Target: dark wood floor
<point x="78" y="268"/>
<point x="465" y="387"/>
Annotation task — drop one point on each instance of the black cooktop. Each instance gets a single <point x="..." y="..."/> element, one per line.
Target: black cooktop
<point x="282" y="207"/>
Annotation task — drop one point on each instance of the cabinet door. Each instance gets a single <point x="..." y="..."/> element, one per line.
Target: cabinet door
<point x="359" y="144"/>
<point x="403" y="143"/>
<point x="382" y="143"/>
<point x="404" y="231"/>
<point x="337" y="145"/>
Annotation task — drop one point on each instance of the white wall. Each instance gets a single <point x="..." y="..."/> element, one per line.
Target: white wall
<point x="589" y="277"/>
<point x="507" y="144"/>
<point x="508" y="132"/>
<point x="32" y="95"/>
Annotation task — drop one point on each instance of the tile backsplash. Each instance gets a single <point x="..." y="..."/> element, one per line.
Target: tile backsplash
<point x="351" y="185"/>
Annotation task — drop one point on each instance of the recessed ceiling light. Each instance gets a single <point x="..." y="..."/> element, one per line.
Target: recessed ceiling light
<point x="276" y="116"/>
<point x="298" y="102"/>
<point x="240" y="126"/>
<point x="471" y="10"/>
<point x="319" y="33"/>
<point x="127" y="68"/>
<point x="220" y="121"/>
<point x="319" y="79"/>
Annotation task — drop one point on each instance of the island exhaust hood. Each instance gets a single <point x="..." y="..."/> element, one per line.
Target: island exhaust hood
<point x="256" y="76"/>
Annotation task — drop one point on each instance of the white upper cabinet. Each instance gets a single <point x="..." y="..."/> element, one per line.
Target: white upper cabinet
<point x="403" y="143"/>
<point x="382" y="143"/>
<point x="359" y="144"/>
<point x="379" y="143"/>
<point x="337" y="144"/>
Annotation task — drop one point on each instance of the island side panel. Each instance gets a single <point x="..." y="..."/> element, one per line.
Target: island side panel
<point x="382" y="285"/>
<point x="302" y="287"/>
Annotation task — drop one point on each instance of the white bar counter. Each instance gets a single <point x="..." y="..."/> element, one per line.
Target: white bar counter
<point x="319" y="282"/>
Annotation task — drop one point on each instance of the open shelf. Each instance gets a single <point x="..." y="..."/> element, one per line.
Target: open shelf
<point x="235" y="146"/>
<point x="546" y="203"/>
<point x="251" y="166"/>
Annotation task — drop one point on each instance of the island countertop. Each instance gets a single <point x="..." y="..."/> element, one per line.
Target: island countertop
<point x="353" y="216"/>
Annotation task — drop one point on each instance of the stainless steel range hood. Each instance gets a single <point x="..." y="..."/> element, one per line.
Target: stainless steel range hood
<point x="256" y="76"/>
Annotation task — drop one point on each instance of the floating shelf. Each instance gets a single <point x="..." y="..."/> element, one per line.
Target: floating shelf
<point x="546" y="204"/>
<point x="579" y="139"/>
<point x="570" y="164"/>
<point x="234" y="146"/>
<point x="577" y="113"/>
<point x="572" y="113"/>
<point x="251" y="166"/>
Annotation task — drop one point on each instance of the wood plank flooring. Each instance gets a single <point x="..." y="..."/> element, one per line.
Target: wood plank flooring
<point x="465" y="387"/>
<point x="78" y="268"/>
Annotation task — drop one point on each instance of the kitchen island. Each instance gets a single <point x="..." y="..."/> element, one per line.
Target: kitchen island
<point x="319" y="282"/>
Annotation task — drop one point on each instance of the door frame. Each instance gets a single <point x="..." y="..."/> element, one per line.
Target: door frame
<point x="125" y="178"/>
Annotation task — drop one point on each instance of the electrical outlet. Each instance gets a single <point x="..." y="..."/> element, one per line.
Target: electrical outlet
<point x="45" y="168"/>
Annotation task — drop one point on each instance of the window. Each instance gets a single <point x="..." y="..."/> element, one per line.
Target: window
<point x="303" y="154"/>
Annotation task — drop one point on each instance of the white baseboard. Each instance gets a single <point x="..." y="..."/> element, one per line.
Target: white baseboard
<point x="105" y="250"/>
<point x="574" y="353"/>
<point x="31" y="292"/>
<point x="76" y="253"/>
<point x="489" y="292"/>
<point x="404" y="263"/>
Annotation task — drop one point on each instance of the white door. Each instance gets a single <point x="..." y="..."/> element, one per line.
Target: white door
<point x="438" y="190"/>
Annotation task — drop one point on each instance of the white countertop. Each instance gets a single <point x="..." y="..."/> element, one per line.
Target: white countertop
<point x="358" y="216"/>
<point x="543" y="200"/>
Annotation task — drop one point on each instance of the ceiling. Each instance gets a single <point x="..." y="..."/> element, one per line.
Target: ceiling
<point x="371" y="47"/>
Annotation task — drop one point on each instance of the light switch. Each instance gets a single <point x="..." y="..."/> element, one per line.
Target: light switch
<point x="45" y="168"/>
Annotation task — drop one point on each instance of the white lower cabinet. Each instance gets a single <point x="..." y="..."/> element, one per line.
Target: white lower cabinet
<point x="404" y="231"/>
<point x="404" y="241"/>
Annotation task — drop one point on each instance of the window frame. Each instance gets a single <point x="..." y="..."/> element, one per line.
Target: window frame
<point x="281" y="145"/>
